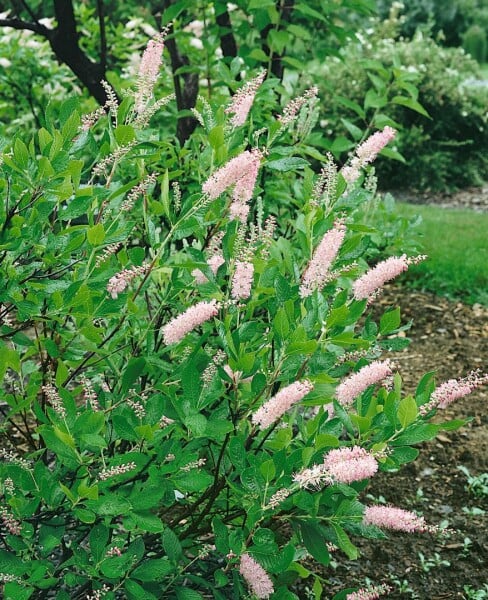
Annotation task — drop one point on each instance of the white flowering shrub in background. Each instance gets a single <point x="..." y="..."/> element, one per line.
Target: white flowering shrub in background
<point x="193" y="391"/>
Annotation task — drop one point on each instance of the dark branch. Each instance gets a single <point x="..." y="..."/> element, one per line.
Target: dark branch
<point x="20" y="24"/>
<point x="103" y="35"/>
<point x="186" y="94"/>
<point x="227" y="40"/>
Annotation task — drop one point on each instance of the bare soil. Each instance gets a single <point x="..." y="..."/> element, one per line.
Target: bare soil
<point x="451" y="339"/>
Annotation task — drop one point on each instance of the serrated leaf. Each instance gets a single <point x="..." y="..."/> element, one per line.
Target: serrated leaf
<point x="315" y="542"/>
<point x="345" y="543"/>
<point x="407" y="411"/>
<point x="153" y="570"/>
<point x="390" y="321"/>
<point x="171" y="545"/>
<point x="290" y="163"/>
<point x="96" y="234"/>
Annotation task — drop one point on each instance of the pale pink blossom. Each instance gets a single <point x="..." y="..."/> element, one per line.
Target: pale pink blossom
<point x="256" y="577"/>
<point x="391" y="517"/>
<point x="369" y="285"/>
<point x="313" y="477"/>
<point x="367" y="152"/>
<point x="240" y="172"/>
<point x="194" y="316"/>
<point x="317" y="273"/>
<point x="291" y="110"/>
<point x="242" y="100"/>
<point x="369" y="149"/>
<point x="277" y="498"/>
<point x="276" y="406"/>
<point x="242" y="280"/>
<point x="214" y="262"/>
<point x="149" y="71"/>
<point x="10" y="523"/>
<point x="453" y="389"/>
<point x="354" y="385"/>
<point x="369" y="593"/>
<point x="119" y="282"/>
<point x="346" y="465"/>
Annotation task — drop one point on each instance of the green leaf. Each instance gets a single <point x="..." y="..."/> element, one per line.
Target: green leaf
<point x="134" y="369"/>
<point x="390" y="321"/>
<point x="147" y="521"/>
<point x="216" y="137"/>
<point x="290" y="163"/>
<point x="407" y="411"/>
<point x="412" y="104"/>
<point x="96" y="234"/>
<point x="11" y="564"/>
<point x="171" y="545"/>
<point x="137" y="592"/>
<point x="193" y="481"/>
<point x="153" y="570"/>
<point x="21" y="154"/>
<point x="345" y="543"/>
<point x="419" y="433"/>
<point x="315" y="542"/>
<point x="124" y="134"/>
<point x="188" y="594"/>
<point x="281" y="325"/>
<point x="98" y="541"/>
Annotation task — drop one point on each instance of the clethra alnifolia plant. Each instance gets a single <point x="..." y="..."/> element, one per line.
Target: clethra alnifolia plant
<point x="193" y="393"/>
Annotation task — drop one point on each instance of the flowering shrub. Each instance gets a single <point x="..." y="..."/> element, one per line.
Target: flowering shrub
<point x="193" y="394"/>
<point x="433" y="94"/>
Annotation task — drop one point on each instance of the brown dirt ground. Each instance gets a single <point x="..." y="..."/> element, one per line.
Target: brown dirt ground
<point x="449" y="338"/>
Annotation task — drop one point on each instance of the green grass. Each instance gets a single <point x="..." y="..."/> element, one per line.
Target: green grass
<point x="456" y="242"/>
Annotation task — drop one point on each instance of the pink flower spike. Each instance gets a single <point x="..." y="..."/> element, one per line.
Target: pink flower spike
<point x="355" y="384"/>
<point x="240" y="172"/>
<point x="370" y="593"/>
<point x="391" y="517"/>
<point x="242" y="100"/>
<point x="214" y="262"/>
<point x="149" y="71"/>
<point x="369" y="285"/>
<point x="276" y="407"/>
<point x="318" y="273"/>
<point x="453" y="389"/>
<point x="256" y="577"/>
<point x="242" y="280"/>
<point x="368" y="150"/>
<point x="346" y="465"/>
<point x="177" y="328"/>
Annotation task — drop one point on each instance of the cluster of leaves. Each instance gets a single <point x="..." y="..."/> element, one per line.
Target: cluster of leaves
<point x="137" y="472"/>
<point x="428" y="92"/>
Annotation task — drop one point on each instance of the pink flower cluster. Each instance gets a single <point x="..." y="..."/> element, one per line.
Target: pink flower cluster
<point x="369" y="285"/>
<point x="118" y="283"/>
<point x="256" y="577"/>
<point x="313" y="477"/>
<point x="194" y="316"/>
<point x="214" y="262"/>
<point x="291" y="110"/>
<point x="148" y="71"/>
<point x="242" y="100"/>
<point x="370" y="593"/>
<point x="391" y="517"/>
<point x="367" y="152"/>
<point x="54" y="399"/>
<point x="318" y="271"/>
<point x="350" y="464"/>
<point x="355" y="384"/>
<point x="240" y="172"/>
<point x="242" y="280"/>
<point x="453" y="389"/>
<point x="276" y="406"/>
<point x="10" y="523"/>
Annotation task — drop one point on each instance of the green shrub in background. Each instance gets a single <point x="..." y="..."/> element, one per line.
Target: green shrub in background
<point x="443" y="148"/>
<point x="197" y="390"/>
<point x="475" y="44"/>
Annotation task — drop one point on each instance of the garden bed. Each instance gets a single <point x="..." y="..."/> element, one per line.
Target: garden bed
<point x="449" y="338"/>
